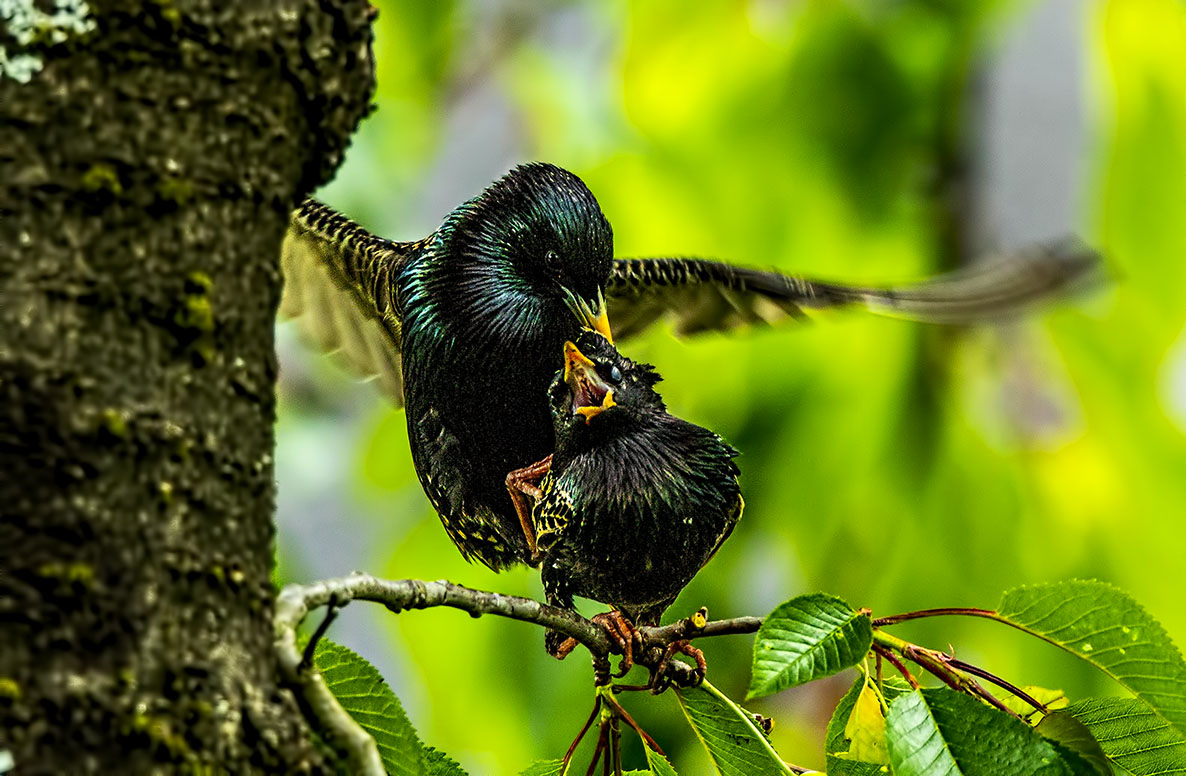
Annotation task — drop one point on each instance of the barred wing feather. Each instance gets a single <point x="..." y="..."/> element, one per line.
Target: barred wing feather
<point x="337" y="288"/>
<point x="702" y="294"/>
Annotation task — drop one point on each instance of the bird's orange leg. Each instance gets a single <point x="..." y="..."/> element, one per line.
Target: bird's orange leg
<point x="659" y="679"/>
<point x="520" y="484"/>
<point x="623" y="633"/>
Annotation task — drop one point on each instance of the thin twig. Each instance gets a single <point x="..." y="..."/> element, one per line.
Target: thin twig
<point x="616" y="737"/>
<point x="597" y="750"/>
<point x="983" y="694"/>
<point x="1004" y="684"/>
<point x="898" y="664"/>
<point x="939" y="665"/>
<point x="331" y="614"/>
<point x="629" y="720"/>
<point x="683" y="630"/>
<point x="937" y="668"/>
<point x="353" y="744"/>
<point x="588" y="723"/>
<point x="894" y="619"/>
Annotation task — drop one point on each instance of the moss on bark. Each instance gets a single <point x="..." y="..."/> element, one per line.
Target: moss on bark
<point x="147" y="169"/>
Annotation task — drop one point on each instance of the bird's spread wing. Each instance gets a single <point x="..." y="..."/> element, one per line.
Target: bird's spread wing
<point x="700" y="294"/>
<point x="338" y="286"/>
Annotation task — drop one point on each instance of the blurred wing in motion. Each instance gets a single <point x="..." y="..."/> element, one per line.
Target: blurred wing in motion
<point x="338" y="288"/>
<point x="700" y="294"/>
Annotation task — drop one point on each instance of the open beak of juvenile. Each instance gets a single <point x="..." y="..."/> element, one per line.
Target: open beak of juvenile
<point x="590" y="394"/>
<point x="590" y="316"/>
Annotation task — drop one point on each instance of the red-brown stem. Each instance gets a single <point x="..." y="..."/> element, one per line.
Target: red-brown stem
<point x="608" y="763"/>
<point x="922" y="657"/>
<point x="1004" y="684"/>
<point x="898" y="664"/>
<point x="616" y="737"/>
<point x="589" y="722"/>
<point x="894" y="619"/>
<point x="939" y="665"/>
<point x="625" y="715"/>
<point x="597" y="751"/>
<point x="979" y="691"/>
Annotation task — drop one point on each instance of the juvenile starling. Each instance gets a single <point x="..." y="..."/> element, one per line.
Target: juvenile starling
<point x="634" y="500"/>
<point x="466" y="324"/>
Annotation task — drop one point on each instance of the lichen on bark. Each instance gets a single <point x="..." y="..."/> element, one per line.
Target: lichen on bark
<point x="146" y="174"/>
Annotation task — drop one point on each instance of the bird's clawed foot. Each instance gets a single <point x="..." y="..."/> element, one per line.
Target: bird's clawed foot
<point x="622" y="634"/>
<point x="627" y="640"/>
<point x="662" y="675"/>
<point x="666" y="672"/>
<point x="558" y="646"/>
<point x="520" y="484"/>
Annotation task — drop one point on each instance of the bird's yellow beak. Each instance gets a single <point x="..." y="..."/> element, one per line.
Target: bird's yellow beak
<point x="590" y="394"/>
<point x="601" y="323"/>
<point x="591" y="317"/>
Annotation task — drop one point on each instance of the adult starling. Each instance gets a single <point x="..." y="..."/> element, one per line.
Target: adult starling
<point x="465" y="325"/>
<point x="634" y="500"/>
<point x="462" y="327"/>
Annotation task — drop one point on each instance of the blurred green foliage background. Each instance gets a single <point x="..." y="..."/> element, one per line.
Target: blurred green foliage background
<point x="895" y="465"/>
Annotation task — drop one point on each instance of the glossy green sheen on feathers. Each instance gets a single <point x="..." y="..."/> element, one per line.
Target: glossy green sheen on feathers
<point x="484" y="317"/>
<point x="466" y="326"/>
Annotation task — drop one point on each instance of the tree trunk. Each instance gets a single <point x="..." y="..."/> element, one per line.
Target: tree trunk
<point x="149" y="156"/>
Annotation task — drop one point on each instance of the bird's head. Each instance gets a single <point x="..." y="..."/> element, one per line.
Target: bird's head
<point x="539" y="239"/>
<point x="600" y="390"/>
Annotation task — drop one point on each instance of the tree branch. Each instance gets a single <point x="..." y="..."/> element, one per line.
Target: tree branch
<point x="348" y="738"/>
<point x="295" y="601"/>
<point x="685" y="629"/>
<point x="353" y="744"/>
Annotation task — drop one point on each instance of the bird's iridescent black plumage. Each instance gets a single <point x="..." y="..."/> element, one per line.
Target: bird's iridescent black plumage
<point x="484" y="307"/>
<point x="465" y="325"/>
<point x="477" y="312"/>
<point x="636" y="500"/>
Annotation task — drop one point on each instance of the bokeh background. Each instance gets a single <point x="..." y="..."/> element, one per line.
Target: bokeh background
<point x="898" y="466"/>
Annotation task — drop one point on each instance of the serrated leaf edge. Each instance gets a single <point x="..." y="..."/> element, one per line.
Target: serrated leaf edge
<point x="742" y="715"/>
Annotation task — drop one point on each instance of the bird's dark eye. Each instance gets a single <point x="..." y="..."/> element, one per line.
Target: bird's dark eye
<point x="552" y="261"/>
<point x="615" y="374"/>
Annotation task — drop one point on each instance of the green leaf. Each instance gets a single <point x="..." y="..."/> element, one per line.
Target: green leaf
<point x="1051" y="699"/>
<point x="440" y="764"/>
<point x="942" y="732"/>
<point x="836" y="744"/>
<point x="1108" y="629"/>
<point x="1131" y="735"/>
<point x="729" y="733"/>
<point x="366" y="697"/>
<point x="866" y="727"/>
<point x="807" y="638"/>
<point x="1066" y="731"/>
<point x="658" y="763"/>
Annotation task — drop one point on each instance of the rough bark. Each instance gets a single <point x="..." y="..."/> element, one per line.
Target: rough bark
<point x="149" y="157"/>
